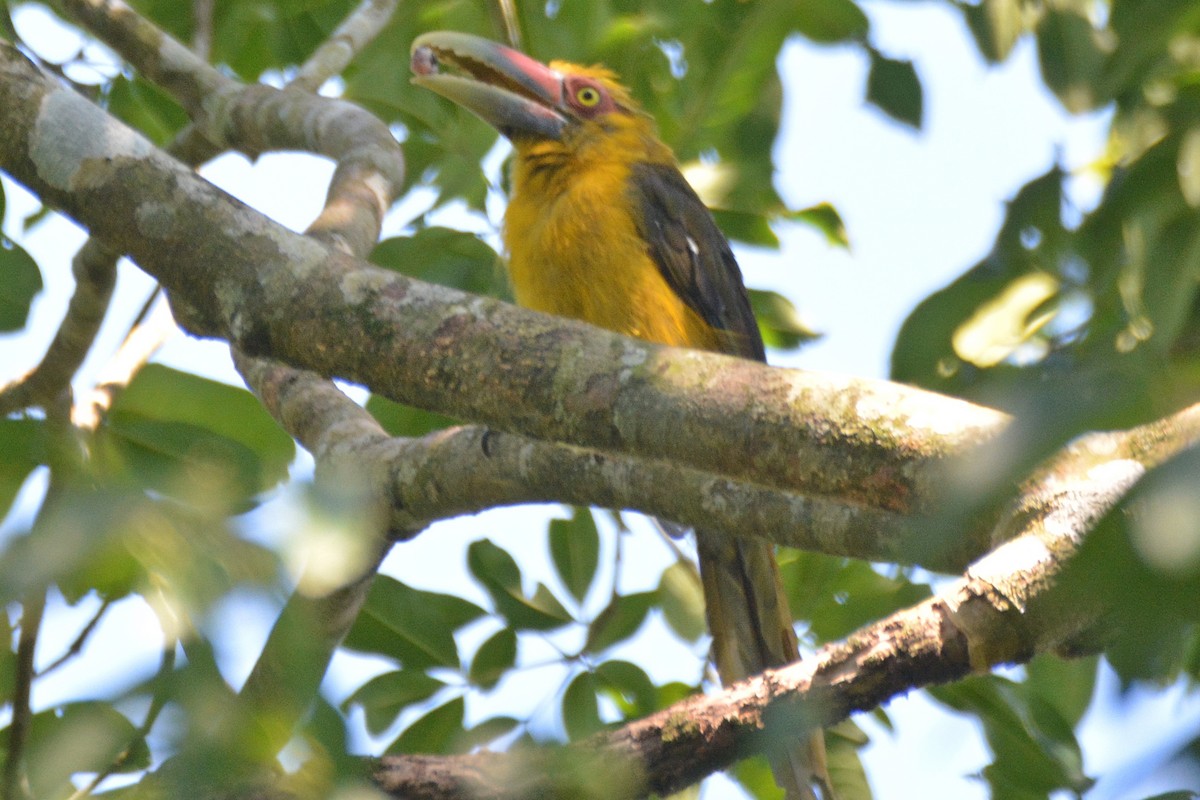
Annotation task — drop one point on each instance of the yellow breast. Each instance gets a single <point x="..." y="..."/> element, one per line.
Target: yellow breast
<point x="574" y="250"/>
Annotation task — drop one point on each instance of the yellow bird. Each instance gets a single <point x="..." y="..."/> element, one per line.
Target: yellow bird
<point x="601" y="226"/>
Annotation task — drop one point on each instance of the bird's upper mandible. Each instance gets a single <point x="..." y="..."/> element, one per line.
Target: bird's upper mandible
<point x="518" y="95"/>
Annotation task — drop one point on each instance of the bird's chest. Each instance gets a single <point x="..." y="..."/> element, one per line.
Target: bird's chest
<point x="577" y="252"/>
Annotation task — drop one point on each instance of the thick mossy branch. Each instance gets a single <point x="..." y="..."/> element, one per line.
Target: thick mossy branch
<point x="276" y="293"/>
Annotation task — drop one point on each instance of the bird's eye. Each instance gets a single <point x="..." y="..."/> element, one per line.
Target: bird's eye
<point x="587" y="96"/>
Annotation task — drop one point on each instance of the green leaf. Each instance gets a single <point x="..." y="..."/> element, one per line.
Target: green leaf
<point x="580" y="711"/>
<point x="841" y="595"/>
<point x="188" y="435"/>
<point x="414" y="627"/>
<point x="1028" y="757"/>
<point x="325" y="732"/>
<point x="829" y="21"/>
<point x="500" y="576"/>
<point x="1132" y="563"/>
<point x="575" y="549"/>
<point x="673" y="692"/>
<point x="493" y="659"/>
<point x="385" y="696"/>
<point x="145" y="107"/>
<point x="439" y="731"/>
<point x="20" y="282"/>
<point x="744" y="226"/>
<point x="445" y="256"/>
<point x="681" y="596"/>
<point x="1067" y="683"/>
<point x="996" y="25"/>
<point x="779" y="321"/>
<point x="755" y="777"/>
<point x="826" y="219"/>
<point x="846" y="772"/>
<point x="401" y="420"/>
<point x="1071" y="58"/>
<point x="923" y="353"/>
<point x="23" y="442"/>
<point x="118" y="541"/>
<point x="545" y="602"/>
<point x="628" y="686"/>
<point x="893" y="86"/>
<point x="159" y="392"/>
<point x="80" y="737"/>
<point x="619" y="620"/>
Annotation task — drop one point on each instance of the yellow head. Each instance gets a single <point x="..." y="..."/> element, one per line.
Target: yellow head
<point x="547" y="110"/>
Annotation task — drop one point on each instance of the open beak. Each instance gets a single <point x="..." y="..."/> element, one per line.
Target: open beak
<point x="517" y="95"/>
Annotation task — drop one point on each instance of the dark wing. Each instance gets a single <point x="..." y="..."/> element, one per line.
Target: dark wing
<point x="693" y="255"/>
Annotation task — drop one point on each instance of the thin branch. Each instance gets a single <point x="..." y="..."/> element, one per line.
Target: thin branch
<point x="77" y="645"/>
<point x="142" y="342"/>
<point x="157" y="56"/>
<point x="504" y="12"/>
<point x="63" y="461"/>
<point x="95" y="271"/>
<point x="359" y="194"/>
<point x="202" y="29"/>
<point x="32" y="610"/>
<point x="356" y="31"/>
<point x="158" y="702"/>
<point x="256" y="119"/>
<point x="288" y="672"/>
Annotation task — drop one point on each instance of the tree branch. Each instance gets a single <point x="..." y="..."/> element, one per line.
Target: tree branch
<point x="95" y="271"/>
<point x="32" y="608"/>
<point x="158" y="57"/>
<point x="336" y="52"/>
<point x="468" y="469"/>
<point x="869" y="444"/>
<point x="274" y="292"/>
<point x="1005" y="609"/>
<point x="256" y="119"/>
<point x="370" y="172"/>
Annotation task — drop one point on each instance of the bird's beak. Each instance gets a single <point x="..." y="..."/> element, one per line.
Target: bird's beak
<point x="517" y="95"/>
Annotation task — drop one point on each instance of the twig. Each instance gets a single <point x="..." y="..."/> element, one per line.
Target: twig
<point x="158" y="702"/>
<point x="506" y="12"/>
<point x="144" y="339"/>
<point x="95" y="271"/>
<point x="202" y="33"/>
<point x="77" y="646"/>
<point x="160" y="58"/>
<point x="359" y="28"/>
<point x="33" y="608"/>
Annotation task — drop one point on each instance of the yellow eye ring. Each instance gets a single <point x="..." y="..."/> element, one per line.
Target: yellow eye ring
<point x="588" y="96"/>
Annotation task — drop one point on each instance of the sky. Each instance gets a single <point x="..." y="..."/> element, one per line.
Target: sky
<point x="920" y="208"/>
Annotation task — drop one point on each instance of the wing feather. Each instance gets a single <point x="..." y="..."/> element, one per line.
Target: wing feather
<point x="693" y="255"/>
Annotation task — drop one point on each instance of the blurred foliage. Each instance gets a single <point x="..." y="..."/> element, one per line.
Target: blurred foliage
<point x="1097" y="304"/>
<point x="1084" y="316"/>
<point x="22" y="281"/>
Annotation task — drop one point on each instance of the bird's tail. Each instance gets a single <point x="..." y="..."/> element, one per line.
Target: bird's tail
<point x="752" y="631"/>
